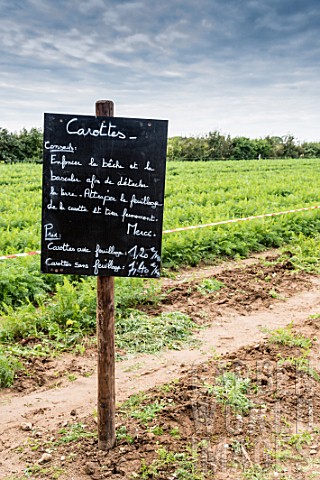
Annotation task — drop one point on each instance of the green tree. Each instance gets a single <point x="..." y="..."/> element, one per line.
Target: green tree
<point x="243" y="148"/>
<point x="311" y="149"/>
<point x="290" y="149"/>
<point x="31" y="144"/>
<point x="218" y="145"/>
<point x="276" y="148"/>
<point x="187" y="148"/>
<point x="262" y="148"/>
<point x="9" y="147"/>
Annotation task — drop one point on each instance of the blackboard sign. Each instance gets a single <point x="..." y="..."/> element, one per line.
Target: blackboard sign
<point x="103" y="194"/>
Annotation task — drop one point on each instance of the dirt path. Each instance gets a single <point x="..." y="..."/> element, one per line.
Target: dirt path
<point x="47" y="409"/>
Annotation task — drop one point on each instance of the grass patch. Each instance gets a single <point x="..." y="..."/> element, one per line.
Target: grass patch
<point x="73" y="433"/>
<point x="303" y="253"/>
<point x="301" y="364"/>
<point x="256" y="472"/>
<point x="137" y="406"/>
<point x="210" y="285"/>
<point x="8" y="367"/>
<point x="123" y="435"/>
<point x="180" y="465"/>
<point x="66" y="321"/>
<point x="230" y="390"/>
<point x="298" y="440"/>
<point x="140" y="333"/>
<point x="147" y="413"/>
<point x="285" y="336"/>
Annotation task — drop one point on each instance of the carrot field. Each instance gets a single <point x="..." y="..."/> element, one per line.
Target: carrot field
<point x="60" y="310"/>
<point x="196" y="193"/>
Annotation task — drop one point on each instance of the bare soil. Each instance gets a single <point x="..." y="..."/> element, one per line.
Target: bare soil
<point x="192" y="436"/>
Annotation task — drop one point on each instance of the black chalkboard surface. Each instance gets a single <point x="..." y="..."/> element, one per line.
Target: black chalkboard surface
<point x="103" y="194"/>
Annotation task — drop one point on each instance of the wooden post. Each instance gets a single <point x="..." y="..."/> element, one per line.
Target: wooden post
<point x="106" y="341"/>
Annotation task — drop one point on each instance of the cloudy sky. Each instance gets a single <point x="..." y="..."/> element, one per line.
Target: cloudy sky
<point x="244" y="67"/>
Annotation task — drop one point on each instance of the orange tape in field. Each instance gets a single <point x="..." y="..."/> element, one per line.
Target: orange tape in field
<point x="194" y="227"/>
<point x="15" y="255"/>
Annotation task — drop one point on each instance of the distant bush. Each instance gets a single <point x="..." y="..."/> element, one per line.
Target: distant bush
<point x="25" y="146"/>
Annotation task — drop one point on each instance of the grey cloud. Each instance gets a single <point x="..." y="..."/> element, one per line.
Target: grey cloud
<point x="226" y="57"/>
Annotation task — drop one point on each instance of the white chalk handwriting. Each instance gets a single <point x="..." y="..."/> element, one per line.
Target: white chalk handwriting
<point x="137" y="268"/>
<point x="144" y="201"/>
<point x="57" y="178"/>
<point x="145" y="218"/>
<point x="109" y="265"/>
<point x="57" y="263"/>
<point x="59" y="148"/>
<point x="88" y="193"/>
<point x="128" y="182"/>
<point x="133" y="230"/>
<point x="63" y="162"/>
<point x="49" y="233"/>
<point x="104" y="130"/>
<point x="110" y="250"/>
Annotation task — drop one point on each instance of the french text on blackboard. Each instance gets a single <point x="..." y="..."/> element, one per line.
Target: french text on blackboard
<point x="103" y="195"/>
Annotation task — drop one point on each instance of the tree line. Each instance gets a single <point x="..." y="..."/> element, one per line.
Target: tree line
<point x="27" y="146"/>
<point x="216" y="146"/>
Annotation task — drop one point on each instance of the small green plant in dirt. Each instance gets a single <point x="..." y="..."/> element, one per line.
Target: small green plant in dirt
<point x="210" y="285"/>
<point x="298" y="440"/>
<point x="175" y="432"/>
<point x="301" y="364"/>
<point x="123" y="435"/>
<point x="146" y="413"/>
<point x="274" y="294"/>
<point x="168" y="387"/>
<point x="283" y="452"/>
<point x="180" y="465"/>
<point x="53" y="473"/>
<point x="157" y="430"/>
<point x="285" y="336"/>
<point x="73" y="433"/>
<point x="137" y="406"/>
<point x="239" y="447"/>
<point x="133" y="401"/>
<point x="231" y="390"/>
<point x="236" y="447"/>
<point x="9" y="365"/>
<point x="256" y="472"/>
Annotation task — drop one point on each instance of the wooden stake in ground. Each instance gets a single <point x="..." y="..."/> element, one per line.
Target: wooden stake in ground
<point x="106" y="341"/>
